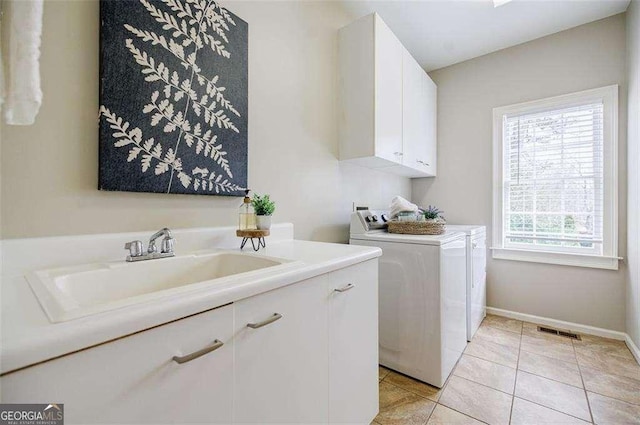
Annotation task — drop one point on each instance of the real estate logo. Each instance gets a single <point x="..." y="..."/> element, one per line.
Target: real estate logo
<point x="32" y="414"/>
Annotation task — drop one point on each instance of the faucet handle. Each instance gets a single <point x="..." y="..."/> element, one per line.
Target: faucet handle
<point x="135" y="248"/>
<point x="167" y="245"/>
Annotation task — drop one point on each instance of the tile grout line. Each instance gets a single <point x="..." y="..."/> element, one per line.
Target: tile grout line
<point x="439" y="395"/>
<point x="534" y="374"/>
<point x="589" y="346"/>
<point x="610" y="372"/>
<point x="457" y="411"/>
<point x="550" y="408"/>
<point x="515" y="381"/>
<point x="520" y="351"/>
<point x="413" y="392"/>
<point x="443" y="388"/>
<point x="613" y="398"/>
<point x="410" y="393"/>
<point x="487" y="360"/>
<point x="549" y="357"/>
<point x="503" y="329"/>
<point x="541" y="405"/>
<point x="483" y="385"/>
<point x="552" y="379"/>
<point x="574" y="348"/>
<point x="435" y="402"/>
<point x="586" y="396"/>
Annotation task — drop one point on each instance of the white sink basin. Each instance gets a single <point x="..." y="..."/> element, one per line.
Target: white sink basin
<point x="71" y="292"/>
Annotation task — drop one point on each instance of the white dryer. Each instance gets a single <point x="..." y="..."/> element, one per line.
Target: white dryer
<point x="422" y="297"/>
<point x="476" y="274"/>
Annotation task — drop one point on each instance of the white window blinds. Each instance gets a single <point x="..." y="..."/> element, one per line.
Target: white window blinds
<point x="553" y="179"/>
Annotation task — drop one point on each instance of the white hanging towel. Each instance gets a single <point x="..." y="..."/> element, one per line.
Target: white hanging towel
<point x="399" y="204"/>
<point x="23" y="93"/>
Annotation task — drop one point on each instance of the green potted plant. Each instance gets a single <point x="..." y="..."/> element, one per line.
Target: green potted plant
<point x="433" y="214"/>
<point x="264" y="208"/>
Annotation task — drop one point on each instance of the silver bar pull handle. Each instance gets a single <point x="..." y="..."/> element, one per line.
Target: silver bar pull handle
<point x="276" y="316"/>
<point x="213" y="347"/>
<point x="345" y="288"/>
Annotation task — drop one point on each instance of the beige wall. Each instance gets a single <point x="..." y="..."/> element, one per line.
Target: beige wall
<point x="49" y="170"/>
<point x="585" y="57"/>
<point x="633" y="68"/>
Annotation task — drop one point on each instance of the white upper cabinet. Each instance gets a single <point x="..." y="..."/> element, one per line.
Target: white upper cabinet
<point x="387" y="102"/>
<point x="388" y="94"/>
<point x="429" y="125"/>
<point x="413" y="123"/>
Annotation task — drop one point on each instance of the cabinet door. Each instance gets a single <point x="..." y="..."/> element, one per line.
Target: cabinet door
<point x="427" y="158"/>
<point x="419" y="108"/>
<point x="281" y="365"/>
<point x="388" y="93"/>
<point x="135" y="380"/>
<point x="413" y="139"/>
<point x="353" y="344"/>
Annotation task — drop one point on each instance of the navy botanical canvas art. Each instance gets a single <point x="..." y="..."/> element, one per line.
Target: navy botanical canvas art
<point x="173" y="97"/>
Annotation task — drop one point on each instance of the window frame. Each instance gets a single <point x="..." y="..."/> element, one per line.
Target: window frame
<point x="609" y="259"/>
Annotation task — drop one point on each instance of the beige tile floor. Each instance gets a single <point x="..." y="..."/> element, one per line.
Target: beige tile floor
<point x="512" y="374"/>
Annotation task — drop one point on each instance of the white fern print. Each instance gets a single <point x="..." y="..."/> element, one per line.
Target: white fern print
<point x="149" y="152"/>
<point x="188" y="26"/>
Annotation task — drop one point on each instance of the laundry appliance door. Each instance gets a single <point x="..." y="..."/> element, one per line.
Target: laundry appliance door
<point x="410" y="309"/>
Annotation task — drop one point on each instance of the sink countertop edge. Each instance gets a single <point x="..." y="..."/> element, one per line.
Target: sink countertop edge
<point x="37" y="340"/>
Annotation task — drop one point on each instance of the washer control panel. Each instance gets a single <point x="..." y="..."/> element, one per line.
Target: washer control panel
<point x="371" y="220"/>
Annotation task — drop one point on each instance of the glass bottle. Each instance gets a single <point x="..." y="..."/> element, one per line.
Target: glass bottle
<point x="247" y="216"/>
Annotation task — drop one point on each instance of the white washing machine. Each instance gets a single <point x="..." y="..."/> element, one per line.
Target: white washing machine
<point x="422" y="298"/>
<point x="476" y="274"/>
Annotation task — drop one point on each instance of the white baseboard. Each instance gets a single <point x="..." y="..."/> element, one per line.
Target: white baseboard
<point x="561" y="324"/>
<point x="570" y="326"/>
<point x="633" y="348"/>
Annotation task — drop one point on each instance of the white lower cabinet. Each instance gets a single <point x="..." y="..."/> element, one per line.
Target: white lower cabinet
<point x="281" y="367"/>
<point x="303" y="353"/>
<point x="133" y="380"/>
<point x="353" y="344"/>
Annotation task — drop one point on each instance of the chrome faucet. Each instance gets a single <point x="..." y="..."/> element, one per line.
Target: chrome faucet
<point x="136" y="251"/>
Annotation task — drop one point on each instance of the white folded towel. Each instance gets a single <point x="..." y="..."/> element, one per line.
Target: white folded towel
<point x="399" y="204"/>
<point x="23" y="93"/>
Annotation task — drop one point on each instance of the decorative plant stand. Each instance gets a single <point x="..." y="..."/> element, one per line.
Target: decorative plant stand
<point x="253" y="234"/>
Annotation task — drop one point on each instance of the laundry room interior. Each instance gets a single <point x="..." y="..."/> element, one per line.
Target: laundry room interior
<point x="303" y="212"/>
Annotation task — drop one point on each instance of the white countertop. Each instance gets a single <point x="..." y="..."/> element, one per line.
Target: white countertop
<point x="28" y="337"/>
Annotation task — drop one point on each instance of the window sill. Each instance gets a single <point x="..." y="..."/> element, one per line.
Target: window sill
<point x="560" y="258"/>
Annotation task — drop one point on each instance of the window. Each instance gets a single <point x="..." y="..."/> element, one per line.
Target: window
<point x="555" y="180"/>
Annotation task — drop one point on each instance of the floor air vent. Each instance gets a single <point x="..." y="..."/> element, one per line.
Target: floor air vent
<point x="558" y="332"/>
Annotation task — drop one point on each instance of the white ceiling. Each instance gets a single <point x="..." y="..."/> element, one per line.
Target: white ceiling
<point x="439" y="33"/>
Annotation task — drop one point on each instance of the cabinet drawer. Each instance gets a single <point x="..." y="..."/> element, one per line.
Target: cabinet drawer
<point x="135" y="379"/>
